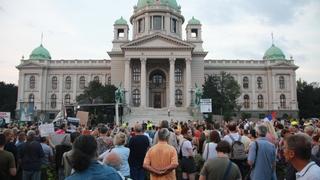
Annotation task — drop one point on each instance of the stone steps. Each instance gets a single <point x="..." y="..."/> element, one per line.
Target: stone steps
<point x="156" y="115"/>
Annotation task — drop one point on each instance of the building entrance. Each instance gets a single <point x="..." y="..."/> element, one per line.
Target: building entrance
<point x="157" y="89"/>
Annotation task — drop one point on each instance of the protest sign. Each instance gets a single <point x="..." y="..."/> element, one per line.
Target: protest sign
<point x="5" y="116"/>
<point x="57" y="139"/>
<point x="83" y="116"/>
<point x="46" y="129"/>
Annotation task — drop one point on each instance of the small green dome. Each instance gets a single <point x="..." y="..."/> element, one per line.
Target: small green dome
<point x="121" y="21"/>
<point x="273" y="53"/>
<point x="40" y="53"/>
<point x="194" y="21"/>
<point x="170" y="3"/>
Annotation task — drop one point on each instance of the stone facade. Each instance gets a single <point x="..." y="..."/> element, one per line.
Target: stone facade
<point x="158" y="70"/>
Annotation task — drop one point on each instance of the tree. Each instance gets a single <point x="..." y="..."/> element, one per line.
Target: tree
<point x="97" y="93"/>
<point x="8" y="98"/>
<point x="308" y="96"/>
<point x="224" y="91"/>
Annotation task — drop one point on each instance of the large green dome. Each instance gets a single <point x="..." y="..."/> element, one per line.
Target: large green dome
<point x="274" y="53"/>
<point x="40" y="53"/>
<point x="171" y="3"/>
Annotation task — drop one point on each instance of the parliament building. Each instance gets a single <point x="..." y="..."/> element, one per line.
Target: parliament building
<point x="158" y="70"/>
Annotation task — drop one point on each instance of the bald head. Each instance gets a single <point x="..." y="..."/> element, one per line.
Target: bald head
<point x="113" y="160"/>
<point x="138" y="128"/>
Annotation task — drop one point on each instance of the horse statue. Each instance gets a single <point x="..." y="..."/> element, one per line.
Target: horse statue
<point x="119" y="94"/>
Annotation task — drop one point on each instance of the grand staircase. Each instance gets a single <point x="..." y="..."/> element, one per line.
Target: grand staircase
<point x="156" y="115"/>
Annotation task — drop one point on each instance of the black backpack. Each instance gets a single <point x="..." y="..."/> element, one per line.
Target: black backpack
<point x="238" y="151"/>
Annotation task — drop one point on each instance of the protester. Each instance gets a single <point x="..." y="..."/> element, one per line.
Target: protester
<point x="172" y="138"/>
<point x="297" y="151"/>
<point x="31" y="155"/>
<point x="138" y="146"/>
<point x="262" y="156"/>
<point x="60" y="149"/>
<point x="114" y="160"/>
<point x="85" y="164"/>
<point x="7" y="162"/>
<point x="104" y="140"/>
<point x="220" y="168"/>
<point x="188" y="166"/>
<point x="47" y="159"/>
<point x="238" y="153"/>
<point x="67" y="156"/>
<point x="210" y="147"/>
<point x="161" y="159"/>
<point x="122" y="151"/>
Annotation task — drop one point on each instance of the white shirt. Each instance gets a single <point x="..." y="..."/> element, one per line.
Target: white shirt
<point x="211" y="147"/>
<point x="186" y="148"/>
<point x="235" y="137"/>
<point x="310" y="172"/>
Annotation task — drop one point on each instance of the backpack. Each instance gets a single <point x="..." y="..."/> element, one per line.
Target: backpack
<point x="238" y="151"/>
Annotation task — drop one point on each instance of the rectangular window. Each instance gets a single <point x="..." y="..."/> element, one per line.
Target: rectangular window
<point x="157" y="23"/>
<point x="173" y="25"/>
<point x="120" y="33"/>
<point x="194" y="33"/>
<point x="140" y="25"/>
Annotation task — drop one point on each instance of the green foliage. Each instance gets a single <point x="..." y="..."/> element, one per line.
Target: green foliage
<point x="8" y="98"/>
<point x="245" y="115"/>
<point x="97" y="93"/>
<point x="224" y="91"/>
<point x="308" y="96"/>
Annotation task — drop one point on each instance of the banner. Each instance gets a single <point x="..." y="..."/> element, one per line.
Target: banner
<point x="26" y="111"/>
<point x="205" y="105"/>
<point x="5" y="116"/>
<point x="46" y="129"/>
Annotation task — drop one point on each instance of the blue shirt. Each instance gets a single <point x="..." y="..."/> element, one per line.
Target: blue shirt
<point x="265" y="159"/>
<point x="96" y="171"/>
<point x="124" y="153"/>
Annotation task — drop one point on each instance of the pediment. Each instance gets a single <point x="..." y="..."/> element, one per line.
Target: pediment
<point x="156" y="41"/>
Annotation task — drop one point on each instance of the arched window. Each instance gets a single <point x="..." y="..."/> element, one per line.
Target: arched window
<point x="178" y="98"/>
<point x="136" y="97"/>
<point x="32" y="83"/>
<point x="157" y="80"/>
<point x="31" y="98"/>
<point x="178" y="74"/>
<point x="259" y="82"/>
<point x="96" y="78"/>
<point x="53" y="101"/>
<point x="282" y="101"/>
<point x="260" y="101"/>
<point x="82" y="82"/>
<point x="281" y="82"/>
<point x="54" y="82"/>
<point x="67" y="99"/>
<point x="245" y="82"/>
<point x="109" y="80"/>
<point x="136" y="73"/>
<point x="68" y="82"/>
<point x="246" y="102"/>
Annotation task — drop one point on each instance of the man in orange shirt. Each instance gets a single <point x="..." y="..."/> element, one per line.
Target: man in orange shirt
<point x="161" y="159"/>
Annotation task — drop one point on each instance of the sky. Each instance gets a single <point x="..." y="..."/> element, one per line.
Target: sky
<point x="231" y="29"/>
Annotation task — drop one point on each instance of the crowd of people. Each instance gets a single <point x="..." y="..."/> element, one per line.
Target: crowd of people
<point x="270" y="150"/>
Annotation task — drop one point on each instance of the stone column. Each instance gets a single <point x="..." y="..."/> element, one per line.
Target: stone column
<point x="172" y="83"/>
<point x="254" y="84"/>
<point x="188" y="82"/>
<point x="127" y="80"/>
<point x="143" y="82"/>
